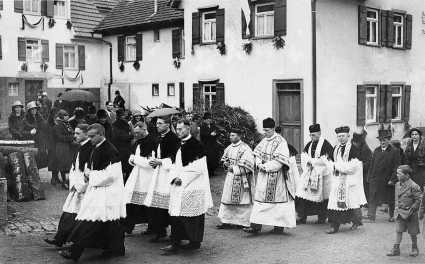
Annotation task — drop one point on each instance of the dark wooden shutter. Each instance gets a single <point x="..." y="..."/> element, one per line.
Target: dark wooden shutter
<point x="22" y="49"/>
<point x="388" y="103"/>
<point x="44" y="7"/>
<point x="45" y="50"/>
<point x="81" y="57"/>
<point x="1" y="53"/>
<point x="197" y="97"/>
<point x="176" y="43"/>
<point x="383" y="28"/>
<point x="19" y="6"/>
<point x="59" y="56"/>
<point x="251" y="25"/>
<point x="406" y="103"/>
<point x="139" y="47"/>
<point x="220" y="94"/>
<point x="362" y="25"/>
<point x="181" y="94"/>
<point x="1" y="4"/>
<point x="280" y="17"/>
<point x="121" y="40"/>
<point x="381" y="103"/>
<point x="361" y="105"/>
<point x="390" y="29"/>
<point x="408" y="32"/>
<point x="244" y="25"/>
<point x="220" y="25"/>
<point x="196" y="28"/>
<point x="50" y="8"/>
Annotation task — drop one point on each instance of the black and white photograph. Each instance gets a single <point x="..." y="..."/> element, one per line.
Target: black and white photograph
<point x="212" y="131"/>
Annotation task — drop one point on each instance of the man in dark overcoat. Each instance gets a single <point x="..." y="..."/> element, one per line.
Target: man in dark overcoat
<point x="382" y="175"/>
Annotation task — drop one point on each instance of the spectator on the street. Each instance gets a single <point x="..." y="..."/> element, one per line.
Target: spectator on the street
<point x="91" y="115"/>
<point x="209" y="135"/>
<point x="408" y="199"/>
<point x="16" y="122"/>
<point x="119" y="102"/>
<point x="415" y="156"/>
<point x="78" y="117"/>
<point x="382" y="176"/>
<point x="63" y="136"/>
<point x="121" y="139"/>
<point x="59" y="103"/>
<point x="111" y="116"/>
<point x="397" y="145"/>
<point x="365" y="156"/>
<point x="136" y="117"/>
<point x="102" y="117"/>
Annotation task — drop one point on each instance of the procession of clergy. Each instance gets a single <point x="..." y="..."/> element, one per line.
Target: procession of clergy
<point x="169" y="185"/>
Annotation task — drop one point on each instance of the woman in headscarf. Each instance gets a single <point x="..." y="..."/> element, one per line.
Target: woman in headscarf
<point x="415" y="156"/>
<point x="16" y="122"/>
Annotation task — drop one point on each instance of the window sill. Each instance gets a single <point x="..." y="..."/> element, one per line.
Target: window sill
<point x="70" y="69"/>
<point x="129" y="61"/>
<point x="31" y="14"/>
<point x="398" y="121"/>
<point x="260" y="38"/>
<point x="398" y="48"/>
<point x="372" y="45"/>
<point x="208" y="43"/>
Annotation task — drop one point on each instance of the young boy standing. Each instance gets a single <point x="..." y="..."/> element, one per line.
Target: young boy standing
<point x="408" y="198"/>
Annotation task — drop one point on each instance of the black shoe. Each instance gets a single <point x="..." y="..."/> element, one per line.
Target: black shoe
<point x="52" y="242"/>
<point x="251" y="230"/>
<point x="68" y="255"/>
<point x="170" y="250"/>
<point x="224" y="226"/>
<point x="191" y="246"/>
<point x="277" y="230"/>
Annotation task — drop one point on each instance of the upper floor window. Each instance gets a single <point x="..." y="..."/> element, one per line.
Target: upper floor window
<point x="32" y="7"/>
<point x="264" y="20"/>
<point x="210" y="95"/>
<point x="130" y="48"/>
<point x="372" y="27"/>
<point x="396" y="102"/>
<point x="398" y="31"/>
<point x="371" y="101"/>
<point x="13" y="89"/>
<point x="33" y="50"/>
<point x="70" y="57"/>
<point x="209" y="27"/>
<point x="60" y="8"/>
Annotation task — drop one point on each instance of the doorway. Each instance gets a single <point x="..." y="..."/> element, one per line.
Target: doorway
<point x="32" y="89"/>
<point x="288" y="105"/>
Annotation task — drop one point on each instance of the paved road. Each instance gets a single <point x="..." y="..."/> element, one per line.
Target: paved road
<point x="305" y="244"/>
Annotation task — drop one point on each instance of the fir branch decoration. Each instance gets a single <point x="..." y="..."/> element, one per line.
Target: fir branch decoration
<point x="247" y="47"/>
<point x="177" y="62"/>
<point x="121" y="67"/>
<point x="221" y="48"/>
<point x="136" y="65"/>
<point x="279" y="42"/>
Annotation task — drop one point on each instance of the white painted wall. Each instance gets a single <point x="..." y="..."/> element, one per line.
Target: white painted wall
<point x="343" y="63"/>
<point x="155" y="67"/>
<point x="10" y="30"/>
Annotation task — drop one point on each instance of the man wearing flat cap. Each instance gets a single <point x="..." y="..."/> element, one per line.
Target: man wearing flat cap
<point x="236" y="200"/>
<point x="313" y="190"/>
<point x="382" y="175"/>
<point x="275" y="188"/>
<point x="347" y="194"/>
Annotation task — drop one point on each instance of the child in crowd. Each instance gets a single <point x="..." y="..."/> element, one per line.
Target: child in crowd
<point x="408" y="198"/>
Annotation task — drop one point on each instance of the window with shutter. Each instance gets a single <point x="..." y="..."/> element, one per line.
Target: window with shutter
<point x="34" y="7"/>
<point x="45" y="50"/>
<point x="264" y="20"/>
<point x="362" y="30"/>
<point x="361" y="105"/>
<point x="196" y="26"/>
<point x="280" y="18"/>
<point x="220" y="20"/>
<point x="60" y="9"/>
<point x="70" y="57"/>
<point x="130" y="48"/>
<point x="209" y="27"/>
<point x="408" y="32"/>
<point x="59" y="56"/>
<point x="120" y="47"/>
<point x="397" y="25"/>
<point x="22" y="49"/>
<point x="33" y="50"/>
<point x="81" y="57"/>
<point x="139" y="47"/>
<point x="395" y="95"/>
<point x="406" y="102"/>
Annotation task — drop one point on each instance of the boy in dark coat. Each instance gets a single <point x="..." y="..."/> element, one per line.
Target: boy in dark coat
<point x="382" y="175"/>
<point x="408" y="199"/>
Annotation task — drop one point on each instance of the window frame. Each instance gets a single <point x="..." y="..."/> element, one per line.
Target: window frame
<point x="265" y="14"/>
<point x="126" y="46"/>
<point x="212" y="21"/>
<point x="155" y="87"/>
<point x="76" y="66"/>
<point x="375" y="99"/>
<point x="369" y="22"/>
<point x="169" y="85"/>
<point x="31" y="12"/>
<point x="40" y="47"/>
<point x="65" y="16"/>
<point x="400" y="96"/>
<point x="209" y="94"/>
<point x="401" y="26"/>
<point x="15" y="89"/>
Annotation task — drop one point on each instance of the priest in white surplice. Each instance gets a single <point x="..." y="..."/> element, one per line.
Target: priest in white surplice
<point x="236" y="200"/>
<point x="275" y="187"/>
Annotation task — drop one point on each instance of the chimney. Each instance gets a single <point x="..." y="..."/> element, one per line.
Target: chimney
<point x="155" y="6"/>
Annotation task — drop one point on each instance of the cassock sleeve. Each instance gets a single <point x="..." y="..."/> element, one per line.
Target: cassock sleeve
<point x="193" y="171"/>
<point x="106" y="177"/>
<point x="245" y="163"/>
<point x="141" y="162"/>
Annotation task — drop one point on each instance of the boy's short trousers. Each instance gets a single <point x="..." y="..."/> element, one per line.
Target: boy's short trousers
<point x="411" y="225"/>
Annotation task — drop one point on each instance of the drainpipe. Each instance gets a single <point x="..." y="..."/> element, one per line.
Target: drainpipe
<point x="314" y="59"/>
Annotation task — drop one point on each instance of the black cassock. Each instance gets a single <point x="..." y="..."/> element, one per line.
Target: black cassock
<point x="304" y="207"/>
<point x="189" y="228"/>
<point x="137" y="214"/>
<point x="107" y="235"/>
<point x="158" y="218"/>
<point x="67" y="220"/>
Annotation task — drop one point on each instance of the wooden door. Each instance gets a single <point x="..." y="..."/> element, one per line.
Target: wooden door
<point x="32" y="89"/>
<point x="289" y="111"/>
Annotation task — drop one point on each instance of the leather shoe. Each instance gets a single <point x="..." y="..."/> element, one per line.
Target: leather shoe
<point x="224" y="226"/>
<point x="414" y="252"/>
<point x="251" y="230"/>
<point x="67" y="254"/>
<point x="394" y="252"/>
<point x="170" y="250"/>
<point x="51" y="242"/>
